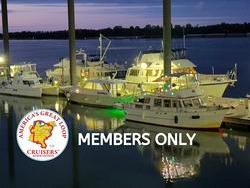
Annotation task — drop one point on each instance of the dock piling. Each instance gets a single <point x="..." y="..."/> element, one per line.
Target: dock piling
<point x="72" y="41"/>
<point x="5" y="27"/>
<point x="167" y="37"/>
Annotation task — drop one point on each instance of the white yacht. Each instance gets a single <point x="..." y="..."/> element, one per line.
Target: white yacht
<point x="101" y="93"/>
<point x="28" y="71"/>
<point x="27" y="84"/>
<point x="180" y="109"/>
<point x="148" y="71"/>
<point x="88" y="66"/>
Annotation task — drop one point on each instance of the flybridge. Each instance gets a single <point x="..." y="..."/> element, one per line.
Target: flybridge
<point x="133" y="139"/>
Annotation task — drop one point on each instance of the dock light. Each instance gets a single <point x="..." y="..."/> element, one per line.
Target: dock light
<point x="77" y="91"/>
<point x="55" y="83"/>
<point x="2" y="60"/>
<point x="78" y="117"/>
<point x="144" y="66"/>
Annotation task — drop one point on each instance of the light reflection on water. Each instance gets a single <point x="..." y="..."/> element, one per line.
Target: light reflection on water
<point x="212" y="160"/>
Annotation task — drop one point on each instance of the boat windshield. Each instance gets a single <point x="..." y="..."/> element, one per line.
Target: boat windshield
<point x="134" y="72"/>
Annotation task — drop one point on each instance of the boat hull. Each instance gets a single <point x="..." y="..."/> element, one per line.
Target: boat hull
<point x="92" y="100"/>
<point x="201" y="121"/>
<point x="214" y="89"/>
<point x="24" y="92"/>
<point x="50" y="91"/>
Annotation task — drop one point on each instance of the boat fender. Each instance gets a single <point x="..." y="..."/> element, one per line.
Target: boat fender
<point x="176" y="119"/>
<point x="196" y="117"/>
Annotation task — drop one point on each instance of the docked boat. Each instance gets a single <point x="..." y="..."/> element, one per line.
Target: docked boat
<point x="28" y="71"/>
<point x="179" y="109"/>
<point x="148" y="71"/>
<point x="101" y="93"/>
<point x="27" y="84"/>
<point x="88" y="66"/>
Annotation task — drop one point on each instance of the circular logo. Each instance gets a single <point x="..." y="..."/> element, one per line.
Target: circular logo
<point x="42" y="135"/>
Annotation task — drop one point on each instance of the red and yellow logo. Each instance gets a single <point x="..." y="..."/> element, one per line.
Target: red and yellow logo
<point x="42" y="135"/>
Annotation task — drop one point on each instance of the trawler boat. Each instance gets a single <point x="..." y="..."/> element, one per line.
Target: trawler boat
<point x="27" y="84"/>
<point x="101" y="93"/>
<point x="148" y="71"/>
<point x="30" y="70"/>
<point x="88" y="66"/>
<point x="180" y="109"/>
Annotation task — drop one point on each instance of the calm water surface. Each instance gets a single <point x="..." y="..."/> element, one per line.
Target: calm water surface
<point x="216" y="159"/>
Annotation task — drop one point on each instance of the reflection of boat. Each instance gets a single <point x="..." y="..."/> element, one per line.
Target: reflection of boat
<point x="87" y="67"/>
<point x="180" y="109"/>
<point x="148" y="71"/>
<point x="96" y="119"/>
<point x="178" y="162"/>
<point x="101" y="92"/>
<point x="22" y="106"/>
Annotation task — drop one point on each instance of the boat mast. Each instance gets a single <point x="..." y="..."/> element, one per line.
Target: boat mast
<point x="100" y="46"/>
<point x="167" y="37"/>
<point x="5" y="26"/>
<point x="72" y="41"/>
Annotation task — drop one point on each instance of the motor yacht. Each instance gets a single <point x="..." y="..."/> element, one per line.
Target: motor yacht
<point x="148" y="71"/>
<point x="88" y="66"/>
<point x="180" y="109"/>
<point x="27" y="84"/>
<point x="101" y="93"/>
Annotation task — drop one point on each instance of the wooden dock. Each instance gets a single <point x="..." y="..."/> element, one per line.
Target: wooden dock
<point x="238" y="116"/>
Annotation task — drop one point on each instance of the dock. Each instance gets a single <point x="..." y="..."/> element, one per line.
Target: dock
<point x="238" y="116"/>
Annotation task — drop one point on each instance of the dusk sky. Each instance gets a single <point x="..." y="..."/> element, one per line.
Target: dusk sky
<point x="52" y="14"/>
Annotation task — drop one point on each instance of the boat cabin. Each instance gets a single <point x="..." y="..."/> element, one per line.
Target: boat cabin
<point x="172" y="100"/>
<point x="114" y="87"/>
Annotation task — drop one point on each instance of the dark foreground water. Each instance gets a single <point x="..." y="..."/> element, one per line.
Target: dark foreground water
<point x="216" y="160"/>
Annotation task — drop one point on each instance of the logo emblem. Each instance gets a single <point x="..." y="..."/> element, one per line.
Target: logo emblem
<point x="42" y="135"/>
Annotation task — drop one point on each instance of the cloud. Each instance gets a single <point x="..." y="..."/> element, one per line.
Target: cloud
<point x="52" y="14"/>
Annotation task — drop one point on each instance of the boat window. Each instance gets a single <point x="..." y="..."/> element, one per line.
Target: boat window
<point x="98" y="87"/>
<point x="167" y="103"/>
<point x="152" y="72"/>
<point x="147" y="100"/>
<point x="27" y="82"/>
<point x="157" y="102"/>
<point x="134" y="72"/>
<point x="142" y="100"/>
<point x="187" y="103"/>
<point x="175" y="104"/>
<point x="88" y="85"/>
<point x="196" y="102"/>
<point x="139" y="106"/>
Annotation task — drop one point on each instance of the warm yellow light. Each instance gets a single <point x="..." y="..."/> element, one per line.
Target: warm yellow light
<point x="2" y="60"/>
<point x="78" y="117"/>
<point x="55" y="82"/>
<point x="144" y="66"/>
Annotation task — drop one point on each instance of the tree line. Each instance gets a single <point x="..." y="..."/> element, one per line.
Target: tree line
<point x="149" y="31"/>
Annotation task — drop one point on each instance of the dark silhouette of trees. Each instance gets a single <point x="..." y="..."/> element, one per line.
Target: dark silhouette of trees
<point x="149" y="31"/>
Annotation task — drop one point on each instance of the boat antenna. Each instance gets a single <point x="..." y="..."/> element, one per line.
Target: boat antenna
<point x="184" y="38"/>
<point x="103" y="54"/>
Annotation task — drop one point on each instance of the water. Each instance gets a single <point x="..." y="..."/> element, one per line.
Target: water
<point x="216" y="159"/>
<point x="220" y="53"/>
